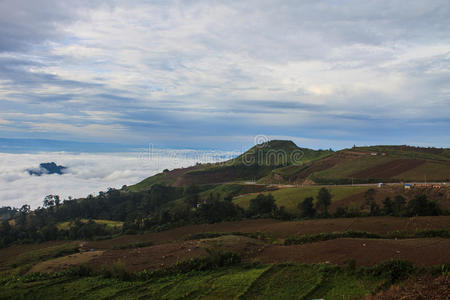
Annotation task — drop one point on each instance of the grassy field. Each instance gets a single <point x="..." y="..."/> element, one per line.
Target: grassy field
<point x="147" y="183"/>
<point x="108" y="223"/>
<point x="291" y="197"/>
<point x="286" y="281"/>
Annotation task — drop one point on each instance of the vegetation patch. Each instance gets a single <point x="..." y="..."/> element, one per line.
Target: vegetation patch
<point x="312" y="238"/>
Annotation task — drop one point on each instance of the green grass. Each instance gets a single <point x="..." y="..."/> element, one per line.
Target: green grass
<point x="147" y="183"/>
<point x="291" y="197"/>
<point x="231" y="189"/>
<point x="220" y="284"/>
<point x="108" y="223"/>
<point x="284" y="281"/>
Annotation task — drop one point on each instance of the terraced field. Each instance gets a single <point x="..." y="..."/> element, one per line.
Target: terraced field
<point x="272" y="282"/>
<point x="269" y="269"/>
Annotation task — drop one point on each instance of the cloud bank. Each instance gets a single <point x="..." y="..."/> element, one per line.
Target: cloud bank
<point x="87" y="173"/>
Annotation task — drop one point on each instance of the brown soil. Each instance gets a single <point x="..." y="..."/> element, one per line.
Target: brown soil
<point x="418" y="289"/>
<point x="366" y="252"/>
<point x="159" y="256"/>
<point x="283" y="229"/>
<point x="323" y="164"/>
<point x="389" y="169"/>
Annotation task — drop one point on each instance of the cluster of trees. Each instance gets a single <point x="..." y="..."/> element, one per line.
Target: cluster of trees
<point x="398" y="206"/>
<point x="163" y="207"/>
<point x="309" y="210"/>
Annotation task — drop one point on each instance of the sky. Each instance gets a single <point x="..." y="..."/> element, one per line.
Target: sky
<point x="215" y="74"/>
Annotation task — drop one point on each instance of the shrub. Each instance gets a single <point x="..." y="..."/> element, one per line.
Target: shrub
<point x="304" y="239"/>
<point x="116" y="270"/>
<point x="394" y="270"/>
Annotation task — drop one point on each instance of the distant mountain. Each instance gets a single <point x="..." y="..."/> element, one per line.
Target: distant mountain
<point x="284" y="162"/>
<point x="47" y="168"/>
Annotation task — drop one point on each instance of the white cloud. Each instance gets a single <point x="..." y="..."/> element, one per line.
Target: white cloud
<point x="86" y="173"/>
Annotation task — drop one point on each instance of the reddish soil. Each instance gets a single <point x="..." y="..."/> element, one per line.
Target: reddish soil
<point x="168" y="254"/>
<point x="418" y="289"/>
<point x="283" y="229"/>
<point x="366" y="252"/>
<point x="389" y="169"/>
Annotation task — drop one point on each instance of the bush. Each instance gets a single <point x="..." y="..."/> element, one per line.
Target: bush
<point x="116" y="270"/>
<point x="262" y="205"/>
<point x="134" y="245"/>
<point x="304" y="239"/>
<point x="394" y="270"/>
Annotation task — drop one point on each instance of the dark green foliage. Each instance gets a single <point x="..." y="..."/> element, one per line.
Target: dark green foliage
<point x="282" y="214"/>
<point x="306" y="208"/>
<point x="262" y="205"/>
<point x="323" y="200"/>
<point x="347" y="212"/>
<point x="134" y="245"/>
<point x="369" y="197"/>
<point x="394" y="270"/>
<point x="214" y="210"/>
<point x="421" y="206"/>
<point x="444" y="233"/>
<point x="398" y="205"/>
<point x="191" y="195"/>
<point x="116" y="270"/>
<point x="208" y="235"/>
<point x="388" y="206"/>
<point x="312" y="238"/>
<point x="215" y="259"/>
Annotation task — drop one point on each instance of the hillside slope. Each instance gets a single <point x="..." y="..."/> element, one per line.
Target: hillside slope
<point x="283" y="162"/>
<point x="254" y="164"/>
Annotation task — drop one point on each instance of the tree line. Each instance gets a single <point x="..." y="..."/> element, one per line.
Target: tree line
<point x="163" y="207"/>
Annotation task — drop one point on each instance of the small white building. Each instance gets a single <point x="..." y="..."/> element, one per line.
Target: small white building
<point x="380" y="185"/>
<point x="408" y="186"/>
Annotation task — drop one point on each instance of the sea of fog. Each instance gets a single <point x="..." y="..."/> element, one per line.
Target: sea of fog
<point x="88" y="173"/>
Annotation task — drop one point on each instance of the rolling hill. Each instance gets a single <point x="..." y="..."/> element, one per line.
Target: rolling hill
<point x="283" y="162"/>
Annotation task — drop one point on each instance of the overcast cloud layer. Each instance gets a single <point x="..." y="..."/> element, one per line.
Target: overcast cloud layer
<point x="212" y="74"/>
<point x="87" y="173"/>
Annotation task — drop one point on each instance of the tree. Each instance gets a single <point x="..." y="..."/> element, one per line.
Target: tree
<point x="306" y="208"/>
<point x="191" y="195"/>
<point x="420" y="206"/>
<point x="262" y="204"/>
<point x="323" y="200"/>
<point x="369" y="196"/>
<point x="398" y="205"/>
<point x="388" y="206"/>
